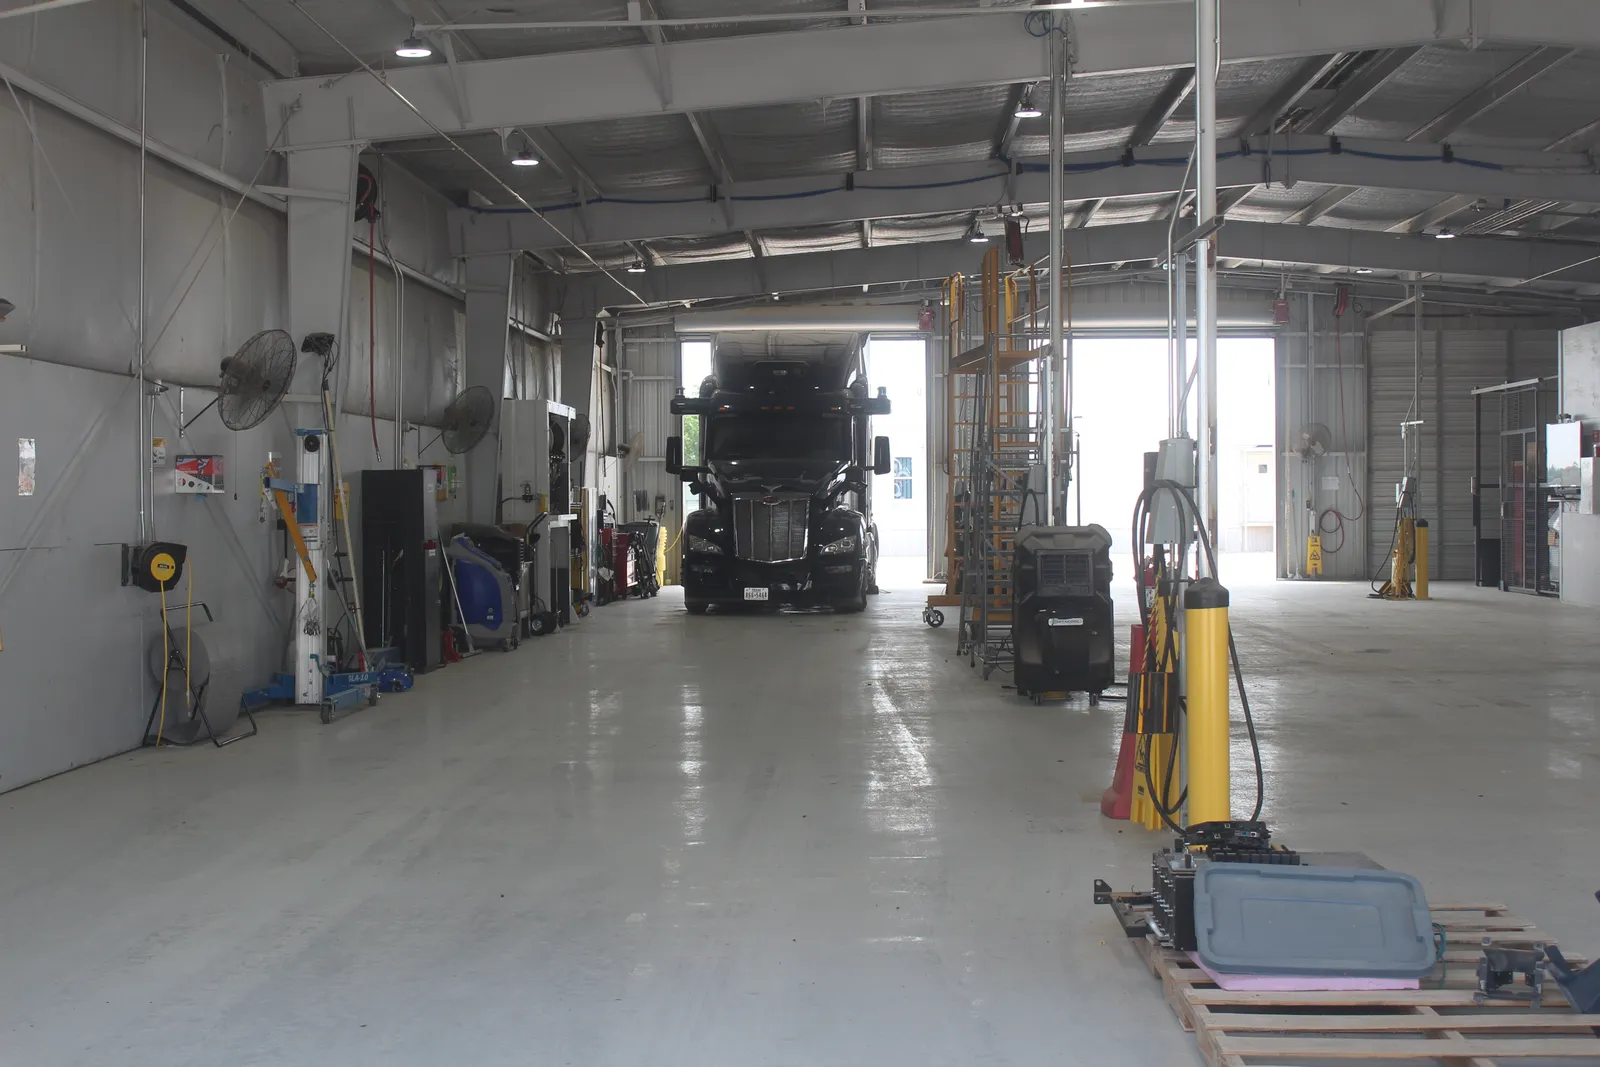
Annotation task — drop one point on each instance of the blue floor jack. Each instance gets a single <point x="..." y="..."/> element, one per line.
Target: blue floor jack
<point x="341" y="690"/>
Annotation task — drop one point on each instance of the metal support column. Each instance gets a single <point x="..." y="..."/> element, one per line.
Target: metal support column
<point x="1206" y="53"/>
<point x="1054" y="370"/>
<point x="1178" y="360"/>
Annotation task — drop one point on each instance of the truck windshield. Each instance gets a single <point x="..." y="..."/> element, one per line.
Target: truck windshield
<point x="778" y="436"/>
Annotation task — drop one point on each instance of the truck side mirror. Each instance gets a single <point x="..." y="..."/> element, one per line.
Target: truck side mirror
<point x="882" y="462"/>
<point x="674" y="455"/>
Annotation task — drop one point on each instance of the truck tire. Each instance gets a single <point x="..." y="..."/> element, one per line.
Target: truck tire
<point x="872" y="581"/>
<point x="856" y="604"/>
<point x="695" y="607"/>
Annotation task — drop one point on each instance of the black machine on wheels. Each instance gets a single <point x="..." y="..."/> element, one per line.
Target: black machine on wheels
<point x="1063" y="624"/>
<point x="785" y="450"/>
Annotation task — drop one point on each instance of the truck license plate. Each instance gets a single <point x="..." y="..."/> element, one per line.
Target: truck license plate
<point x="757" y="594"/>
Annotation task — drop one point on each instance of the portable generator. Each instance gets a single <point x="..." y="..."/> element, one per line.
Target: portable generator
<point x="1063" y="623"/>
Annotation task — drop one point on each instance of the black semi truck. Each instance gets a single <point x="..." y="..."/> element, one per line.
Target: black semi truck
<point x="785" y="450"/>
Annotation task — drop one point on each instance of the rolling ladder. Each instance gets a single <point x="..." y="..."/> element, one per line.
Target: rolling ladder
<point x="992" y="443"/>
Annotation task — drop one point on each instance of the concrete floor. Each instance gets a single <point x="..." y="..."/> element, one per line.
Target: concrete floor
<point x="773" y="840"/>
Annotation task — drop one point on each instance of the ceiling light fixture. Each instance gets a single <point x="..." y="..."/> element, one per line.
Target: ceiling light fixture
<point x="1445" y="235"/>
<point x="1026" y="108"/>
<point x="636" y="267"/>
<point x="525" y="158"/>
<point x="976" y="235"/>
<point x="1363" y="270"/>
<point x="414" y="47"/>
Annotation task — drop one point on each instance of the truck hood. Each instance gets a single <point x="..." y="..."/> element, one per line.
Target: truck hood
<point x="776" y="476"/>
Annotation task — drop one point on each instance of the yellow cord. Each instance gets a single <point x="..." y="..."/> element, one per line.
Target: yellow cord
<point x="166" y="650"/>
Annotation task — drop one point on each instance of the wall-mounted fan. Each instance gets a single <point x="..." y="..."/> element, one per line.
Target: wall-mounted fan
<point x="254" y="380"/>
<point x="1316" y="441"/>
<point x="467" y="420"/>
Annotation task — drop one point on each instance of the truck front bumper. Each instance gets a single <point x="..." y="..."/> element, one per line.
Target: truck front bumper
<point x="804" y="582"/>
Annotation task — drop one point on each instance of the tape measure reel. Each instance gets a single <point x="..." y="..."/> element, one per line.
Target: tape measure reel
<point x="157" y="566"/>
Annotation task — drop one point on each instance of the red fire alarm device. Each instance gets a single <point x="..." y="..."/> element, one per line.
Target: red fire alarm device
<point x="1280" y="311"/>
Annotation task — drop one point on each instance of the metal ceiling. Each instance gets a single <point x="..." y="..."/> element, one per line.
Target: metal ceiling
<point x="1484" y="96"/>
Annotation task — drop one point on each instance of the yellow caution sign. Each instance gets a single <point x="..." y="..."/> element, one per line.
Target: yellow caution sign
<point x="1314" y="556"/>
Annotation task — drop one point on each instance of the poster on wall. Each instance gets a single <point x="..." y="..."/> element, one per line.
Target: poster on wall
<point x="27" y="466"/>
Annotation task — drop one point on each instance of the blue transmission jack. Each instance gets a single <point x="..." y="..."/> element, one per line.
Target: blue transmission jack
<point x="340" y="690"/>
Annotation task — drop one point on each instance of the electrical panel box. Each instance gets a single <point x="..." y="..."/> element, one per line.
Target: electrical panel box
<point x="200" y="475"/>
<point x="1170" y="520"/>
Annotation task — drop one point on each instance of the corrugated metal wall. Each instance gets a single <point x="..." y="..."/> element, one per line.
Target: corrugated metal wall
<point x="69" y="259"/>
<point x="650" y="361"/>
<point x="1322" y="390"/>
<point x="1449" y="364"/>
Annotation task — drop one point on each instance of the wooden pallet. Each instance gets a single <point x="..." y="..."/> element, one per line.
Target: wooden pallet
<point x="1439" y="1023"/>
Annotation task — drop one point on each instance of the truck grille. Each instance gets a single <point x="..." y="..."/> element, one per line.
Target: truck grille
<point x="770" y="529"/>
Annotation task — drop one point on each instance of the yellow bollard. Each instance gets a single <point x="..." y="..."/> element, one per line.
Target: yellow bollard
<point x="1421" y="587"/>
<point x="1205" y="661"/>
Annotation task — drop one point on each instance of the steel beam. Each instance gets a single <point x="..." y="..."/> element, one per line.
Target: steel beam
<point x="1296" y="86"/>
<point x="1577" y="140"/>
<point x="1489" y="95"/>
<point x="1322" y="205"/>
<point x="1436" y="214"/>
<point x="1161" y="110"/>
<point x="914" y="55"/>
<point x="954" y="188"/>
<point x="1472" y="259"/>
<point x="1356" y="91"/>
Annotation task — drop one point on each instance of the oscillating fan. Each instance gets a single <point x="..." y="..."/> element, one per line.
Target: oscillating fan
<point x="467" y="420"/>
<point x="254" y="380"/>
<point x="1316" y="441"/>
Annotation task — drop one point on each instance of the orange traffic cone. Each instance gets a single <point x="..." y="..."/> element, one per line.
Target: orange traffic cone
<point x="1117" y="801"/>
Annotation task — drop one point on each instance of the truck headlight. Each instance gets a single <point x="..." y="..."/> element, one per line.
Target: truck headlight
<point x="704" y="545"/>
<point x="841" y="546"/>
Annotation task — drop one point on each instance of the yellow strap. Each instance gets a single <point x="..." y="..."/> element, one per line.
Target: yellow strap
<point x="286" y="509"/>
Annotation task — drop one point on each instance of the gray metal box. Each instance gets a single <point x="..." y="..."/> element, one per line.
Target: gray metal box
<point x="1170" y="521"/>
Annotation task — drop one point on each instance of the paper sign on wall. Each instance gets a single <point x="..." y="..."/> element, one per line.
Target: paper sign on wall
<point x="27" y="466"/>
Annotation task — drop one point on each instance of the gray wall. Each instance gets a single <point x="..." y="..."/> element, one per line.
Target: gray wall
<point x="73" y="638"/>
<point x="1453" y="362"/>
<point x="1322" y="386"/>
<point x="1580" y="398"/>
<point x="649" y="361"/>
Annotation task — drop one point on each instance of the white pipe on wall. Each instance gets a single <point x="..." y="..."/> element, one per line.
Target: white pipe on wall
<point x="142" y="445"/>
<point x="1052" y="379"/>
<point x="100" y="121"/>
